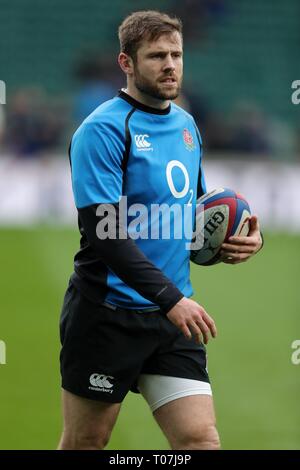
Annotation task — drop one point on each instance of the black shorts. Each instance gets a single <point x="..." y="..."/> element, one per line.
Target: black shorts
<point x="104" y="351"/>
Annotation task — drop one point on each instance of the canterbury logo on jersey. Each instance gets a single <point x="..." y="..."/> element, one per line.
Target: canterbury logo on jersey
<point x="141" y="142"/>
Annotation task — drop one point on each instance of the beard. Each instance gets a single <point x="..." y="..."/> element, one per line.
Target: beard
<point x="150" y="88"/>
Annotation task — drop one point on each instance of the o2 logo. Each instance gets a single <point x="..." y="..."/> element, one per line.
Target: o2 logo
<point x="183" y="192"/>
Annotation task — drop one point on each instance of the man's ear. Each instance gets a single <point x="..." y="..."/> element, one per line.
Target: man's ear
<point x="126" y="63"/>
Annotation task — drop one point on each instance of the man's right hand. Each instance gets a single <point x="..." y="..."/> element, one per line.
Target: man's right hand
<point x="192" y="320"/>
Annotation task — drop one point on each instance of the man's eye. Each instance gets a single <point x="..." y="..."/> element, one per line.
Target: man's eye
<point x="158" y="56"/>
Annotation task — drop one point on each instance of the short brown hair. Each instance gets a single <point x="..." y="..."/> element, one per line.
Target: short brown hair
<point x="145" y="25"/>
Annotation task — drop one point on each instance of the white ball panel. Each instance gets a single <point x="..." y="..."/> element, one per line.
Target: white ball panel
<point x="211" y="230"/>
<point x="243" y="227"/>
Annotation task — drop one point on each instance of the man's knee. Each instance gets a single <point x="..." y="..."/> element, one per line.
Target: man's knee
<point x="200" y="438"/>
<point x="84" y="441"/>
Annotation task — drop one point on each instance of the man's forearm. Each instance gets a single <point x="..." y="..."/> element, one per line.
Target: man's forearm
<point x="127" y="261"/>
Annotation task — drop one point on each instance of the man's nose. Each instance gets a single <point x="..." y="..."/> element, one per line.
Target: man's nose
<point x="169" y="63"/>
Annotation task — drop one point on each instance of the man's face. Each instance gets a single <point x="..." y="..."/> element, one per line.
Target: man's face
<point x="158" y="67"/>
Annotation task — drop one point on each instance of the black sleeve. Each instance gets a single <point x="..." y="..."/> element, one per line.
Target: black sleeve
<point x="121" y="254"/>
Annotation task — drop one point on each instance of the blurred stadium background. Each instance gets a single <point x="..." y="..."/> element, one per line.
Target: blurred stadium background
<point x="58" y="61"/>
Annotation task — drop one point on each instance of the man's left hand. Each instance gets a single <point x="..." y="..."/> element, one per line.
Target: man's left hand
<point x="240" y="249"/>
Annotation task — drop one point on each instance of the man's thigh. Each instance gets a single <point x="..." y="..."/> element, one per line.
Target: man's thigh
<point x="188" y="421"/>
<point x="87" y="420"/>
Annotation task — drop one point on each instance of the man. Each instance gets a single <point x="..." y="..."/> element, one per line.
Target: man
<point x="127" y="321"/>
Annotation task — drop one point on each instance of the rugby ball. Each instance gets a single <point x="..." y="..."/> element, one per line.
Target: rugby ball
<point x="220" y="214"/>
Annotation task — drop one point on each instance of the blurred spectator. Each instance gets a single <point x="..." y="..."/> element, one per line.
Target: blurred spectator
<point x="216" y="8"/>
<point x="249" y="129"/>
<point x="33" y="123"/>
<point x="245" y="130"/>
<point x="199" y="108"/>
<point x="98" y="83"/>
<point x="217" y="133"/>
<point x="197" y="15"/>
<point x="283" y="140"/>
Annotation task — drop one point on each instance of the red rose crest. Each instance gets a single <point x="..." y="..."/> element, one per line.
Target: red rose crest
<point x="188" y="140"/>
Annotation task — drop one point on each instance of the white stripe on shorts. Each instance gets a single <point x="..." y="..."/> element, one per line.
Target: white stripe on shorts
<point x="161" y="389"/>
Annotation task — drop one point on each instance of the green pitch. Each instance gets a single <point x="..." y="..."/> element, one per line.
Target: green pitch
<point x="256" y="309"/>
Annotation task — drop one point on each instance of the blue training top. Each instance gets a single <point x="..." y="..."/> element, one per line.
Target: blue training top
<point x="153" y="157"/>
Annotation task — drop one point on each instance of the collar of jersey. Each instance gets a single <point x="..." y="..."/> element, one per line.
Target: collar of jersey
<point x="136" y="104"/>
